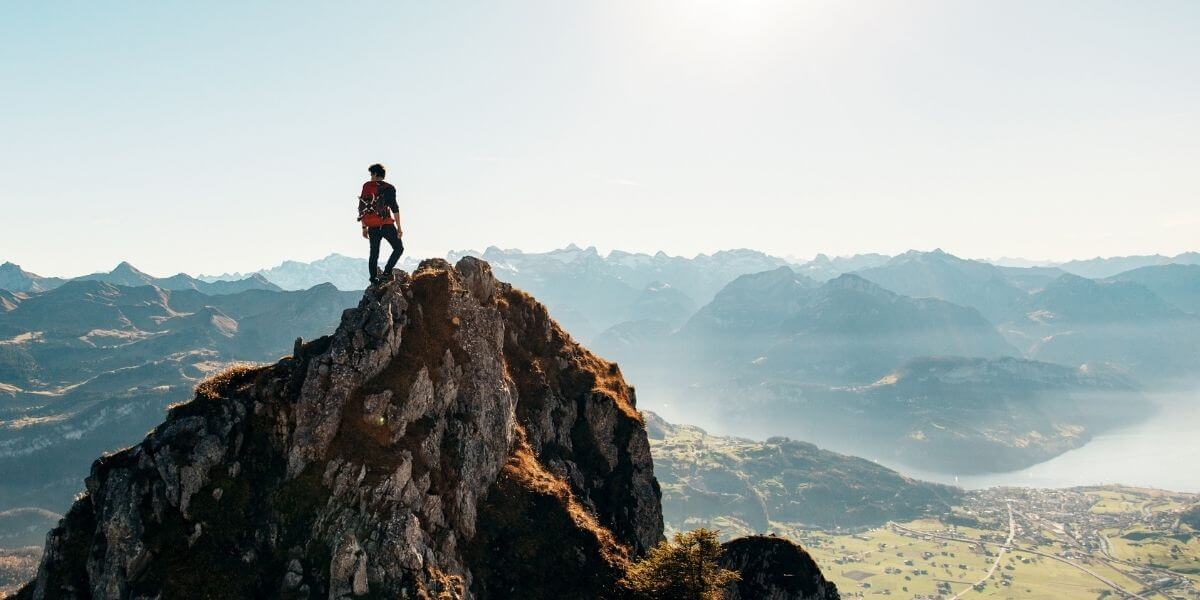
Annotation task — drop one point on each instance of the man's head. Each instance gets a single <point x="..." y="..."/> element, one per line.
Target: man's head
<point x="377" y="172"/>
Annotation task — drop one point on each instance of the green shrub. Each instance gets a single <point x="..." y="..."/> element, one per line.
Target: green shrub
<point x="683" y="568"/>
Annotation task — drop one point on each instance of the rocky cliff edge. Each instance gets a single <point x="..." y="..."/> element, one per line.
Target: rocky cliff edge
<point x="448" y="441"/>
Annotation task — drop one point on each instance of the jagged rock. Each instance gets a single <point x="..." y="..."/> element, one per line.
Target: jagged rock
<point x="774" y="568"/>
<point x="449" y="440"/>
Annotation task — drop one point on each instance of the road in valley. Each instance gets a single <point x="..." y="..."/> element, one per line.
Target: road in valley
<point x="1008" y="545"/>
<point x="1012" y="531"/>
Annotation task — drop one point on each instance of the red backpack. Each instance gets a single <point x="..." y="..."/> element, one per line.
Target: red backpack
<point x="373" y="209"/>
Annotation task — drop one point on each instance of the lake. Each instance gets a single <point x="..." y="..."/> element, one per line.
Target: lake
<point x="1162" y="452"/>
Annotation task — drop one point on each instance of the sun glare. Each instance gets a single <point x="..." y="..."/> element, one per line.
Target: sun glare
<point x="727" y="29"/>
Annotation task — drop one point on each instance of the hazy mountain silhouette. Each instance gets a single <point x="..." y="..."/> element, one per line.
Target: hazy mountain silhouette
<point x="824" y="268"/>
<point x="661" y="302"/>
<point x="775" y="346"/>
<point x="344" y="272"/>
<point x="847" y="330"/>
<point x="588" y="292"/>
<point x="127" y="275"/>
<point x="1076" y="320"/>
<point x="936" y="274"/>
<point x="15" y="279"/>
<point x="1176" y="283"/>
<point x="1098" y="268"/>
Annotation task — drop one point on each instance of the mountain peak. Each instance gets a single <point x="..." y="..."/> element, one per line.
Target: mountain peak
<point x="422" y="449"/>
<point x="448" y="440"/>
<point x="15" y="279"/>
<point x="12" y="269"/>
<point x="125" y="268"/>
<point x="937" y="254"/>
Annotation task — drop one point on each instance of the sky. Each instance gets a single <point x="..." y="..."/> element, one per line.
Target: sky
<point x="229" y="136"/>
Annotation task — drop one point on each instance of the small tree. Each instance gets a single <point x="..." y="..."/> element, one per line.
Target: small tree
<point x="684" y="568"/>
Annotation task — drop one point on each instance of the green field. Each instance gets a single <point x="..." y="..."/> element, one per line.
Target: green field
<point x="1146" y="546"/>
<point x="886" y="554"/>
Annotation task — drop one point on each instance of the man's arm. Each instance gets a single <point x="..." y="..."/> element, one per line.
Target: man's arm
<point x="395" y="208"/>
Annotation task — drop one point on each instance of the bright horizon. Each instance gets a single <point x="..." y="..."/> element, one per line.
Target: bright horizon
<point x="794" y="260"/>
<point x="209" y="139"/>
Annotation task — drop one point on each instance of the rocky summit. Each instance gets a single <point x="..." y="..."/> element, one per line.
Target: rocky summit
<point x="449" y="440"/>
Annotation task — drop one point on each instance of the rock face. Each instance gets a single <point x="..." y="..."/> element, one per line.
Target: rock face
<point x="774" y="569"/>
<point x="448" y="441"/>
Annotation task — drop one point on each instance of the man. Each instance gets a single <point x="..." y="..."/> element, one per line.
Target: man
<point x="380" y="218"/>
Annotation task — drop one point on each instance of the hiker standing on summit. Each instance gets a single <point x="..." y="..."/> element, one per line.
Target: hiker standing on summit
<point x="380" y="217"/>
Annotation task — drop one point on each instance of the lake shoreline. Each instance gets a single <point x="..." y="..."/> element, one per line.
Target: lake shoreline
<point x="1149" y="454"/>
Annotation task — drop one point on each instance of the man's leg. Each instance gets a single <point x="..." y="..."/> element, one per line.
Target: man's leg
<point x="389" y="234"/>
<point x="374" y="234"/>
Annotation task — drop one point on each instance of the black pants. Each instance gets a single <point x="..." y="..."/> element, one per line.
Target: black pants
<point x="387" y="232"/>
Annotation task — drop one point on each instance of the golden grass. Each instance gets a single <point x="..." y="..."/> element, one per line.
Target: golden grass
<point x="212" y="388"/>
<point x="524" y="469"/>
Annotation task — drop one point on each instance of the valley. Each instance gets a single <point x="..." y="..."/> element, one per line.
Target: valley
<point x="1077" y="543"/>
<point x="1074" y="543"/>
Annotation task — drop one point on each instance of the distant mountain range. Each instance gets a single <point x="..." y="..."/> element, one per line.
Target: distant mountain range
<point x="344" y="272"/>
<point x="89" y="366"/>
<point x="1075" y="320"/>
<point x="824" y="268"/>
<point x="1176" y="283"/>
<point x="1097" y="268"/>
<point x="822" y="351"/>
<point x="775" y="348"/>
<point x="15" y="279"/>
<point x="844" y="320"/>
<point x="589" y="293"/>
<point x="631" y="303"/>
<point x="937" y="274"/>
<point x="349" y="273"/>
<point x="848" y="330"/>
<point x="780" y="325"/>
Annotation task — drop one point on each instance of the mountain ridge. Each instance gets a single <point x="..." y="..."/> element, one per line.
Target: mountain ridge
<point x="15" y="279"/>
<point x="449" y="439"/>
